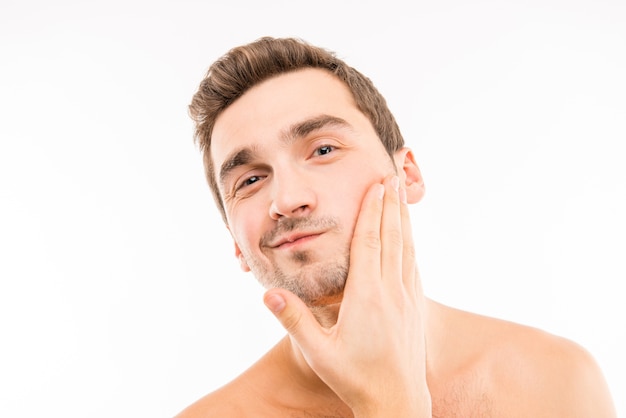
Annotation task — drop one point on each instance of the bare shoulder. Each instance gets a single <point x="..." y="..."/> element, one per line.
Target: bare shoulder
<point x="223" y="402"/>
<point x="530" y="372"/>
<point x="560" y="377"/>
<point x="251" y="394"/>
<point x="242" y="397"/>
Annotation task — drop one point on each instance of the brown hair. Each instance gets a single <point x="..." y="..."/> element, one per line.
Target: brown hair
<point x="246" y="66"/>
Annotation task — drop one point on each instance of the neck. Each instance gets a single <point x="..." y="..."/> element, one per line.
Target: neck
<point x="303" y="374"/>
<point x="326" y="315"/>
<point x="307" y="390"/>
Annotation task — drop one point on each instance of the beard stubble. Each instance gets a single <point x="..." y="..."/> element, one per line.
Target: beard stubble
<point x="316" y="282"/>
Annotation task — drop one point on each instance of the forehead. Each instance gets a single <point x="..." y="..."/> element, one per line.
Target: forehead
<point x="265" y="111"/>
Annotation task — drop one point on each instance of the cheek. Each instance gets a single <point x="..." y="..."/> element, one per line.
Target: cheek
<point x="349" y="197"/>
<point x="242" y="230"/>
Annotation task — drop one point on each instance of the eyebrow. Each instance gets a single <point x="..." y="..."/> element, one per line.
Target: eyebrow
<point x="236" y="159"/>
<point x="305" y="127"/>
<point x="296" y="131"/>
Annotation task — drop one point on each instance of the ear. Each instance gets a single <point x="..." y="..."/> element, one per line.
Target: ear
<point x="410" y="175"/>
<point x="242" y="261"/>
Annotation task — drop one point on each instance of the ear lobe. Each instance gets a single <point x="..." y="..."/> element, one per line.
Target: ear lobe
<point x="410" y="175"/>
<point x="242" y="261"/>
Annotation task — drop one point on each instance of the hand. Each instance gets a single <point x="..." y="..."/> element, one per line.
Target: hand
<point x="374" y="357"/>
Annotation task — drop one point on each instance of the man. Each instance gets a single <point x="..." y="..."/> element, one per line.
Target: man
<point x="313" y="180"/>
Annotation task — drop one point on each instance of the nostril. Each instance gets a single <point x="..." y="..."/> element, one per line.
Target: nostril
<point x="300" y="209"/>
<point x="290" y="198"/>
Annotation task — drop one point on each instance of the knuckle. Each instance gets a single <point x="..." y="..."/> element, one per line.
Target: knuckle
<point x="409" y="251"/>
<point x="371" y="240"/>
<point x="291" y="321"/>
<point x="394" y="237"/>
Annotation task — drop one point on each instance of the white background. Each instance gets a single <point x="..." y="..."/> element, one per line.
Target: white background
<point x="119" y="292"/>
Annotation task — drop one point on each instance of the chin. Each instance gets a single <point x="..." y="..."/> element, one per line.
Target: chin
<point x="316" y="285"/>
<point x="322" y="285"/>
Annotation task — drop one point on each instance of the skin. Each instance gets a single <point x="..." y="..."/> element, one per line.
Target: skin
<point x="303" y="207"/>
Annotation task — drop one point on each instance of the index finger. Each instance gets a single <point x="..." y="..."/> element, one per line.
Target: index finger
<point x="366" y="243"/>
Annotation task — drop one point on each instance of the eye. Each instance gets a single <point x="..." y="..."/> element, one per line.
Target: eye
<point x="324" y="149"/>
<point x="250" y="180"/>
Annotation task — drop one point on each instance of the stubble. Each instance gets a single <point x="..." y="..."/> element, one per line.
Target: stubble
<point x="316" y="281"/>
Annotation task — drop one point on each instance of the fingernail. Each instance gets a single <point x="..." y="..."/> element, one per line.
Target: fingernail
<point x="403" y="195"/>
<point x="395" y="183"/>
<point x="381" y="191"/>
<point x="275" y="303"/>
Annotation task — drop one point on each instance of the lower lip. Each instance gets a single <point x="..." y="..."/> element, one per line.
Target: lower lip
<point x="299" y="241"/>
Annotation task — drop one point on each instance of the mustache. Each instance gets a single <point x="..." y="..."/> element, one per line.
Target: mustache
<point x="285" y="225"/>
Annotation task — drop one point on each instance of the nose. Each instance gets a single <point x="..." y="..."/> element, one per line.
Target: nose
<point x="292" y="194"/>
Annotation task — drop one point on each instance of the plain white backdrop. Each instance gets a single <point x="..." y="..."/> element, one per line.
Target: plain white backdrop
<point x="119" y="292"/>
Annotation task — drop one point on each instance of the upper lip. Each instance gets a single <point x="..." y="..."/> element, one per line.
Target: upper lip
<point x="291" y="237"/>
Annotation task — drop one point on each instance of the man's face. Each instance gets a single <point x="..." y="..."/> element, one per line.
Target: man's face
<point x="293" y="158"/>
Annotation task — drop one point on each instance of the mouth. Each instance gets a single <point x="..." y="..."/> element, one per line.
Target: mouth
<point x="294" y="239"/>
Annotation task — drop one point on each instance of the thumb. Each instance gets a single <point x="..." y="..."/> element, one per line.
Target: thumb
<point x="294" y="316"/>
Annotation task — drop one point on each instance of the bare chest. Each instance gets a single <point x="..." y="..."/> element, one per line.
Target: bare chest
<point x="463" y="406"/>
<point x="465" y="396"/>
<point x="455" y="402"/>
